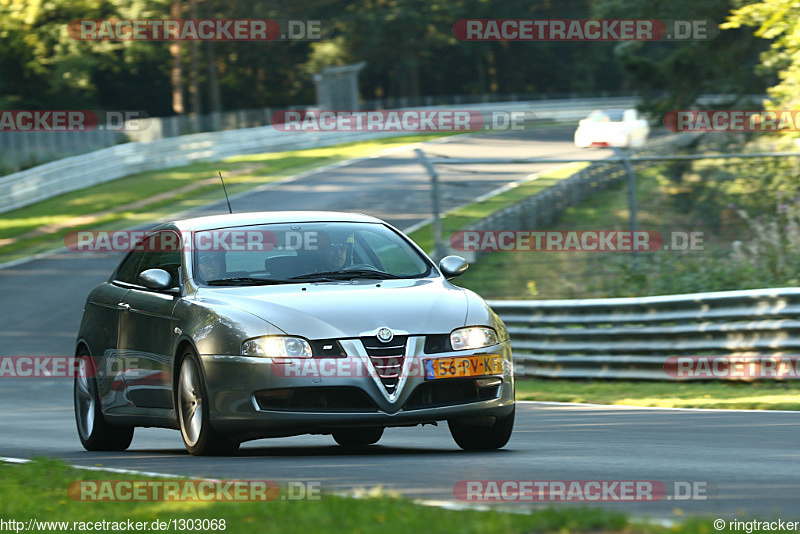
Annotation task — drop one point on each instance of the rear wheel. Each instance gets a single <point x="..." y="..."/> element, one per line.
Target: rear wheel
<point x="474" y="437"/>
<point x="193" y="417"/>
<point x="95" y="432"/>
<point x="354" y="438"/>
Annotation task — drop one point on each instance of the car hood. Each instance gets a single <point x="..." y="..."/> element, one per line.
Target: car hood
<point x="350" y="308"/>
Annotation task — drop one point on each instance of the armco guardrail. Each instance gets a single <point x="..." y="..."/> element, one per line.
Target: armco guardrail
<point x="76" y="172"/>
<point x="631" y="338"/>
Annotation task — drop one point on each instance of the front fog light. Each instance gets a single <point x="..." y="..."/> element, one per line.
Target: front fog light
<point x="474" y="337"/>
<point x="488" y="382"/>
<point x="277" y="347"/>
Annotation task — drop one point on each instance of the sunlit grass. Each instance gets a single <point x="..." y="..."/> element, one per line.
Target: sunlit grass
<point x="757" y="395"/>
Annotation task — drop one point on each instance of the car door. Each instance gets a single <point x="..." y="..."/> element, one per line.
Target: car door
<point x="146" y="334"/>
<point x="102" y="312"/>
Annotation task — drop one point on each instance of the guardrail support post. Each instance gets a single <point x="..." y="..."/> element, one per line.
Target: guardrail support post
<point x="624" y="155"/>
<point x="438" y="251"/>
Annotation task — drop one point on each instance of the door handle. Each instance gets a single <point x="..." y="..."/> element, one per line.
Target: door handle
<point x="124" y="306"/>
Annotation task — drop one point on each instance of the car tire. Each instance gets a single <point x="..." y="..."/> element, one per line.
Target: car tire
<point x="471" y="437"/>
<point x="191" y="405"/>
<point x="95" y="433"/>
<point x="355" y="438"/>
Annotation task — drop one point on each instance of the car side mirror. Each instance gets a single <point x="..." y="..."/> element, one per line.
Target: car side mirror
<point x="158" y="279"/>
<point x="452" y="266"/>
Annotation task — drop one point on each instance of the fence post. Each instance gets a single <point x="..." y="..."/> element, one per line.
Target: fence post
<point x="625" y="156"/>
<point x="437" y="222"/>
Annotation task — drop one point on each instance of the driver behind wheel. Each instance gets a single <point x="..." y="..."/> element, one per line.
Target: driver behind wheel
<point x="212" y="265"/>
<point x="339" y="251"/>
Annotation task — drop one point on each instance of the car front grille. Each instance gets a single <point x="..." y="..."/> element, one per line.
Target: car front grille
<point x="387" y="359"/>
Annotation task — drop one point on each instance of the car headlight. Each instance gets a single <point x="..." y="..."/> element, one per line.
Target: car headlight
<point x="473" y="337"/>
<point x="277" y="347"/>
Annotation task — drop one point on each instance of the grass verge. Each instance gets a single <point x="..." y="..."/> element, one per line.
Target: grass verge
<point x="764" y="395"/>
<point x="38" y="490"/>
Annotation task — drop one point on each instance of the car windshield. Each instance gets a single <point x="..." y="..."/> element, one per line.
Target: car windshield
<point x="304" y="252"/>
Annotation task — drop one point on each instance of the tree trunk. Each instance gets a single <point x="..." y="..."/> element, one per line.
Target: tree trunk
<point x="194" y="84"/>
<point x="177" y="67"/>
<point x="213" y="86"/>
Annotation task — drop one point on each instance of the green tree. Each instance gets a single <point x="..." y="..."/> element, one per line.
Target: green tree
<point x="779" y="21"/>
<point x="672" y="75"/>
<point x="46" y="68"/>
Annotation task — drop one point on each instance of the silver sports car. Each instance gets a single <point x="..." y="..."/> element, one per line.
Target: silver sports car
<point x="239" y="327"/>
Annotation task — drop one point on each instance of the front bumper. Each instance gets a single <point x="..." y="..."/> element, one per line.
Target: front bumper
<point x="238" y="386"/>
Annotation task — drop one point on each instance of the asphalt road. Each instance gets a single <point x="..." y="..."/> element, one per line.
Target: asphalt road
<point x="747" y="460"/>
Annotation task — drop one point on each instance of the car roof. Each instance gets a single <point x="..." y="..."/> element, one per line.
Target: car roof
<point x="228" y="220"/>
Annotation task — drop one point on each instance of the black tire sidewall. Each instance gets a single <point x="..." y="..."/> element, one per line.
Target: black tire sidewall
<point x="209" y="442"/>
<point x="476" y="438"/>
<point x="104" y="436"/>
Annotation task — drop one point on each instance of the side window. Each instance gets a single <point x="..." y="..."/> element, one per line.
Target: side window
<point x="128" y="270"/>
<point x="169" y="261"/>
<point x="167" y="256"/>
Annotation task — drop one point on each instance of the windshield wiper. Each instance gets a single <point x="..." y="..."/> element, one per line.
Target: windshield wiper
<point x="345" y="274"/>
<point x="246" y="281"/>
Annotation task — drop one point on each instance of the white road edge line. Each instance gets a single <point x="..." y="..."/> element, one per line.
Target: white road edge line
<point x="457" y="506"/>
<point x="626" y="407"/>
<point x="10" y="460"/>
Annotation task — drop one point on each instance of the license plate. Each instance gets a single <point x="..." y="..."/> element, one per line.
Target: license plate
<point x="490" y="364"/>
